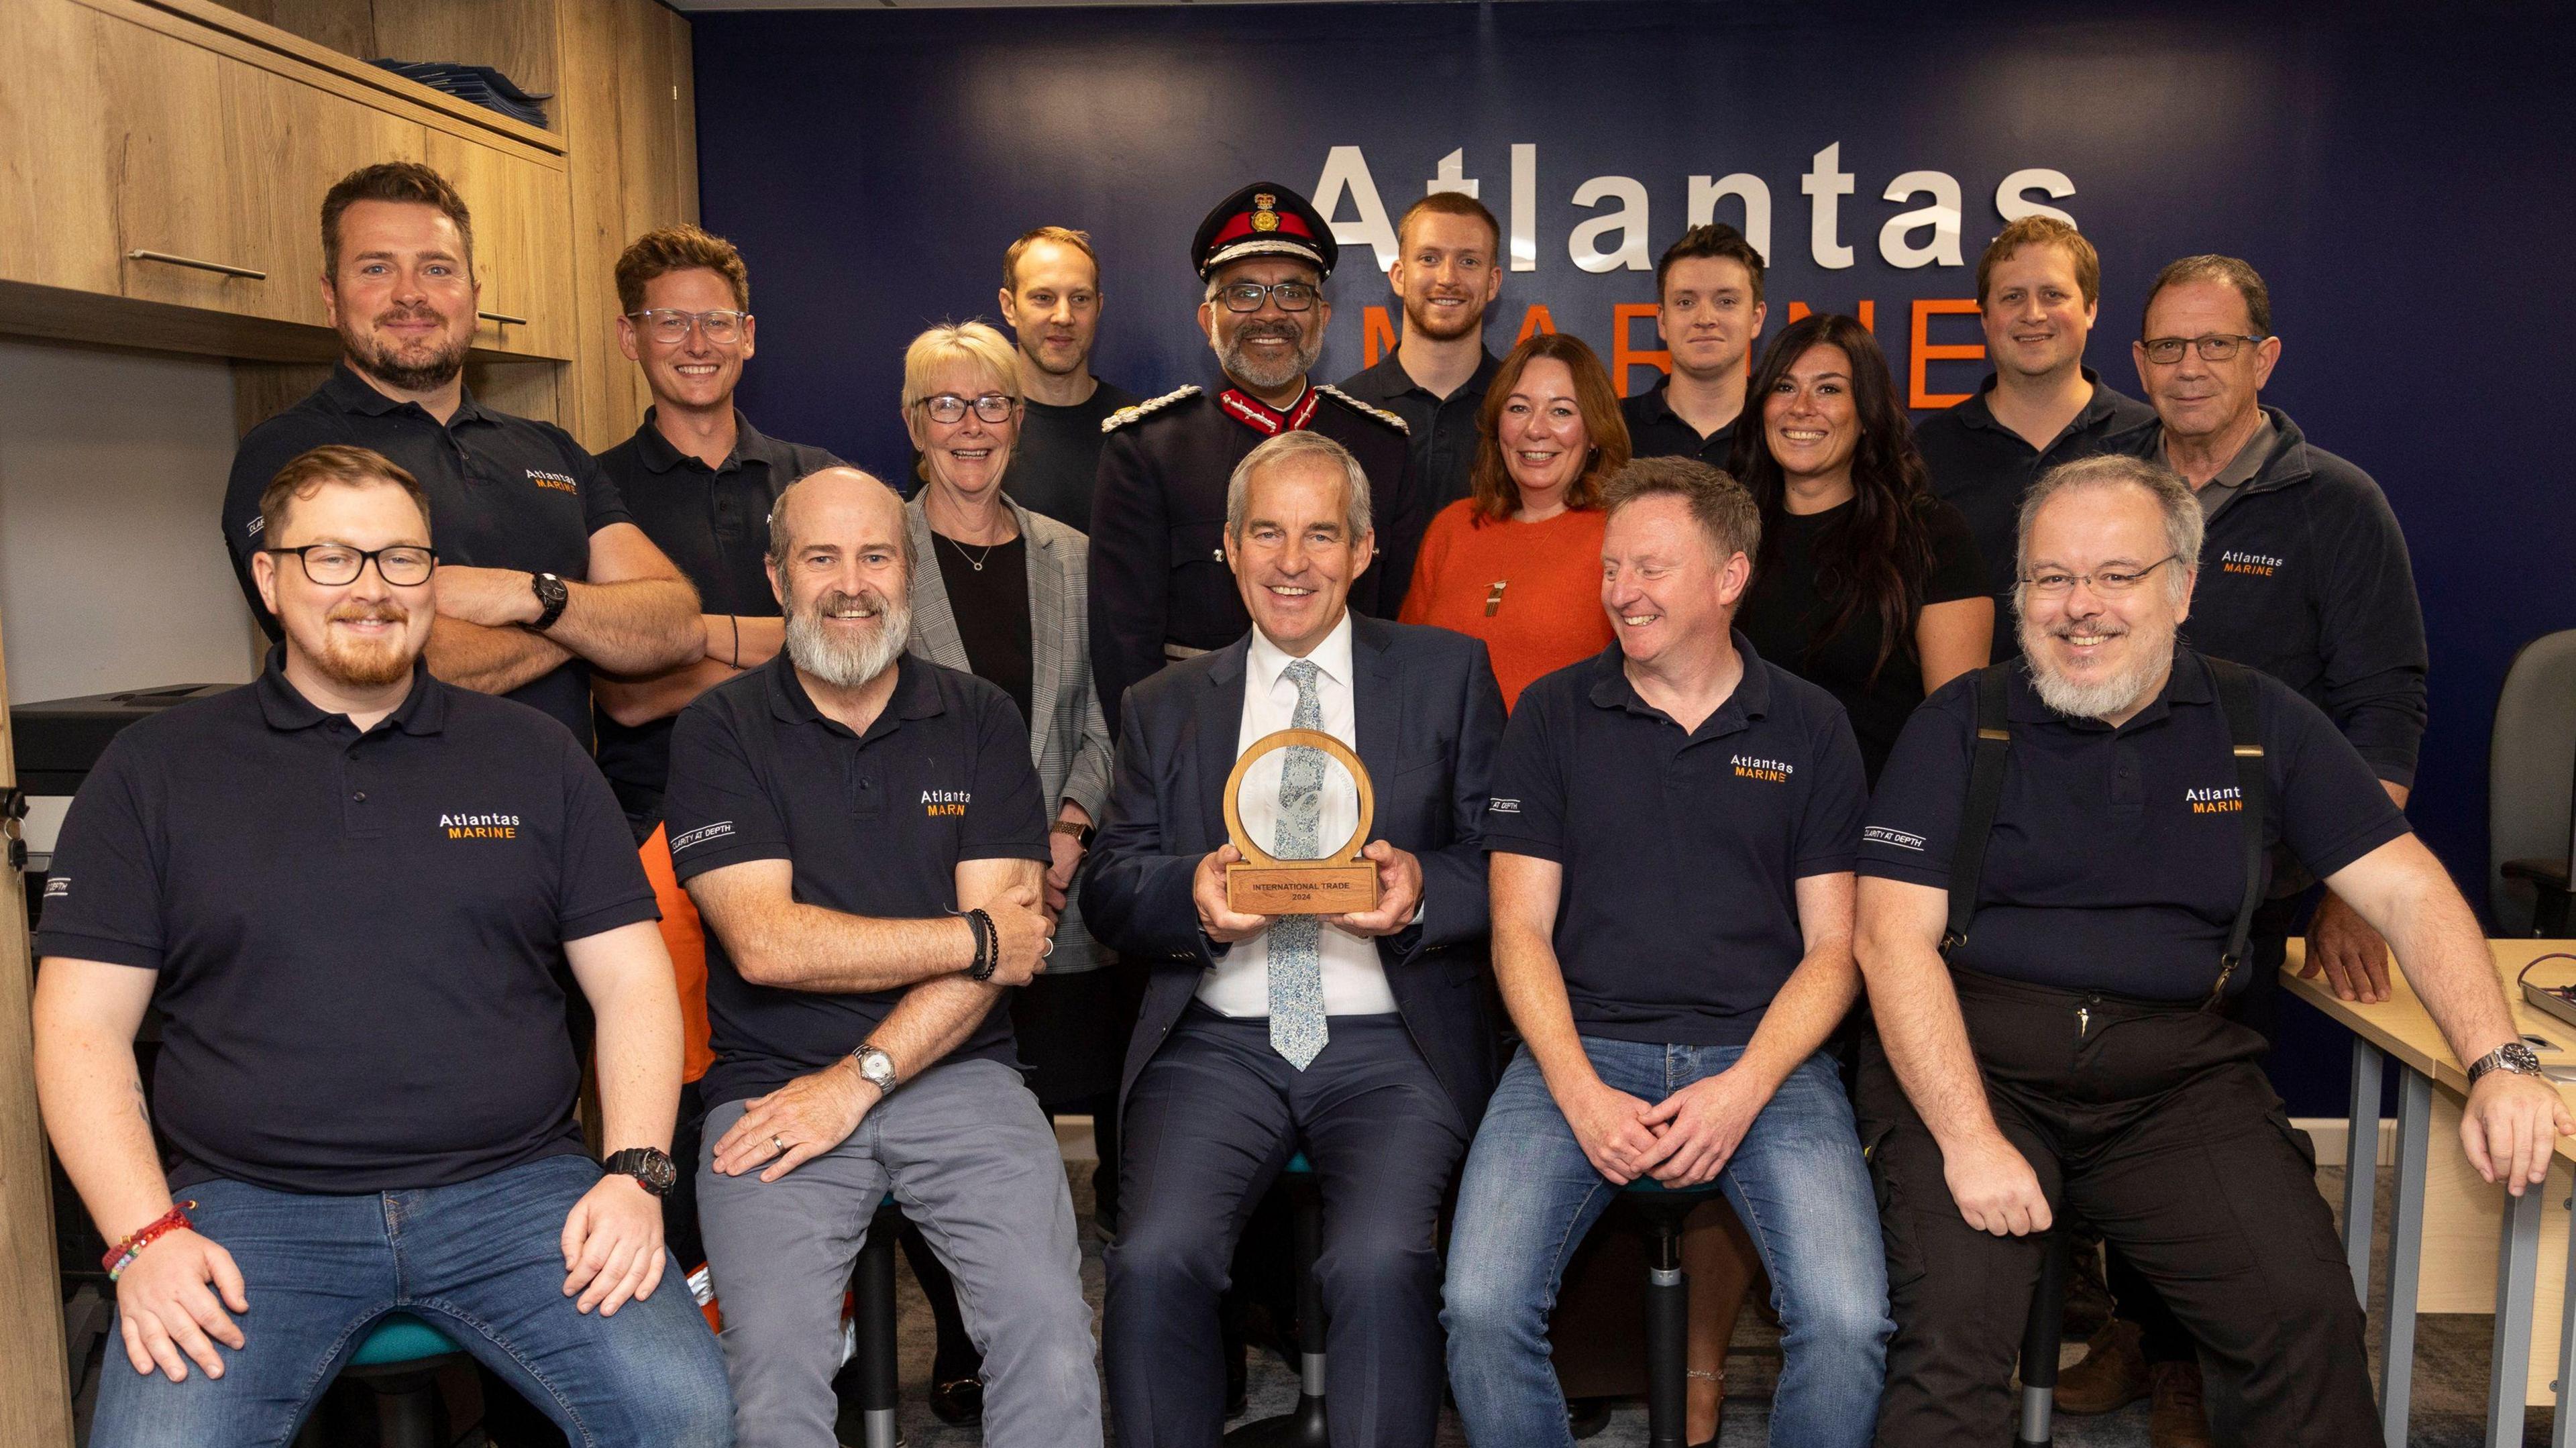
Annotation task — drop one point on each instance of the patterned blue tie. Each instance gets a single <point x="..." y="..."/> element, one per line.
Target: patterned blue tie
<point x="1296" y="966"/>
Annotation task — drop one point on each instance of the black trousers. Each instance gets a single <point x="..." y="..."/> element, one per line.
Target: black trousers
<point x="1210" y="1123"/>
<point x="2152" y="1122"/>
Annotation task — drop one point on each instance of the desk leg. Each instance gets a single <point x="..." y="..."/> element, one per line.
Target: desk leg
<point x="2405" y="1253"/>
<point x="2517" y="1273"/>
<point x="2562" y="1431"/>
<point x="2361" y="1165"/>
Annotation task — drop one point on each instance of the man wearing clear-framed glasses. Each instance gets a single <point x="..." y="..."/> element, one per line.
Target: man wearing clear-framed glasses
<point x="1160" y="587"/>
<point x="543" y="574"/>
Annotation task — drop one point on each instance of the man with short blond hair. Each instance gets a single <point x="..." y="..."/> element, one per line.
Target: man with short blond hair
<point x="2039" y="291"/>
<point x="1051" y="301"/>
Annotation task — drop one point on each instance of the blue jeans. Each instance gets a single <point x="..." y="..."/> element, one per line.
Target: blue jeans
<point x="1797" y="1181"/>
<point x="481" y="1261"/>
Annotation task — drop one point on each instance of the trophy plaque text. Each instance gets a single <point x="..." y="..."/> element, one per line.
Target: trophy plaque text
<point x="1340" y="883"/>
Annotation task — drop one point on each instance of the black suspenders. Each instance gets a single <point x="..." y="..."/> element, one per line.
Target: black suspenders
<point x="2236" y="698"/>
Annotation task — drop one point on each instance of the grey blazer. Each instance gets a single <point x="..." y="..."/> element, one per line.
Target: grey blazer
<point x="1068" y="738"/>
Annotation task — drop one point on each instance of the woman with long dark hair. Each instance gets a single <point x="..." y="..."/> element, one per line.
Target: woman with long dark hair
<point x="1867" y="584"/>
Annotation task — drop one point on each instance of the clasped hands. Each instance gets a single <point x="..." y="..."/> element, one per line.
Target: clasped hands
<point x="1682" y="1141"/>
<point x="1399" y="895"/>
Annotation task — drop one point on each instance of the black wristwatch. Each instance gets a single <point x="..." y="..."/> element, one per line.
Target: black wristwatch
<point x="551" y="598"/>
<point x="651" y="1167"/>
<point x="2512" y="1056"/>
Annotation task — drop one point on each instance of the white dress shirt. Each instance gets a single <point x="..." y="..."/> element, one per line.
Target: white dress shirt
<point x="1354" y="979"/>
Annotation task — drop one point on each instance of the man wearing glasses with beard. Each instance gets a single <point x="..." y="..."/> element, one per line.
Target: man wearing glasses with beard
<point x="1160" y="588"/>
<point x="542" y="573"/>
<point x="862" y="832"/>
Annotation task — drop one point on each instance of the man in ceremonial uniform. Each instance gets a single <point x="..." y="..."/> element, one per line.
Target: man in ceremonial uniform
<point x="1160" y="588"/>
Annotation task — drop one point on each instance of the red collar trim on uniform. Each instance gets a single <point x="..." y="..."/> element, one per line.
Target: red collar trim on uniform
<point x="1261" y="417"/>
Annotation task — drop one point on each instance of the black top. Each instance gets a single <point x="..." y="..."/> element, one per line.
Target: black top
<point x="1983" y="468"/>
<point x="359" y="938"/>
<point x="504" y="492"/>
<point x="991" y="605"/>
<point x="1656" y="431"/>
<point x="713" y="523"/>
<point x="1444" y="429"/>
<point x="1058" y="456"/>
<point x="1682" y="853"/>
<point x="1158" y="574"/>
<point x="875" y="825"/>
<point x="2304" y="575"/>
<point x="1788" y="607"/>
<point x="2115" y="863"/>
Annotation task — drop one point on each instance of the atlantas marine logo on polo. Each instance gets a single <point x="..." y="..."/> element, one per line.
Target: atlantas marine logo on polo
<point x="2238" y="561"/>
<point x="1777" y="772"/>
<point x="2215" y="801"/>
<point x="557" y="481"/>
<point x="480" y="826"/>
<point x="938" y="802"/>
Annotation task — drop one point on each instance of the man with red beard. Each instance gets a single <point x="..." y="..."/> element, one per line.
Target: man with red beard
<point x="542" y="574"/>
<point x="351" y="890"/>
<point x="1447" y="271"/>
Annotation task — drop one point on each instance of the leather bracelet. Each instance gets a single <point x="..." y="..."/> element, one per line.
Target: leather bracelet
<point x="122" y="1255"/>
<point x="982" y="925"/>
<point x="736" y="620"/>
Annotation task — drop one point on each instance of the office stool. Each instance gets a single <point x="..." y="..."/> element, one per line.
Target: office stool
<point x="2039" y="1343"/>
<point x="1302" y="1426"/>
<point x="872" y="1319"/>
<point x="399" y="1365"/>
<point x="1667" y="1309"/>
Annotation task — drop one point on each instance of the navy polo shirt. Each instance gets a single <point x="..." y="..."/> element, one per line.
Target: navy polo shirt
<point x="1682" y="852"/>
<point x="713" y="524"/>
<point x="1443" y="430"/>
<point x="1983" y="468"/>
<point x="504" y="492"/>
<point x="359" y="938"/>
<point x="1656" y="431"/>
<point x="2116" y="862"/>
<point x="874" y="824"/>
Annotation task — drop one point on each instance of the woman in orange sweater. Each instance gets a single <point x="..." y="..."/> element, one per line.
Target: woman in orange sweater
<point x="1517" y="562"/>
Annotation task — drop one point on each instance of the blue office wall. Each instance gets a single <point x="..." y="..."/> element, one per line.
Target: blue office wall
<point x="2402" y="180"/>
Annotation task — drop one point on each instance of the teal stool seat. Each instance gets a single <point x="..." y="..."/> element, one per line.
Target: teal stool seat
<point x="402" y="1338"/>
<point x="1298" y="1166"/>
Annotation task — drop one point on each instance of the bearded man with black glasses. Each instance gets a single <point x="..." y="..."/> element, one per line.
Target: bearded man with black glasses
<point x="1160" y="587"/>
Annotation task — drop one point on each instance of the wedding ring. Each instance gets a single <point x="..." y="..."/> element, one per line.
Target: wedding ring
<point x="781" y="1145"/>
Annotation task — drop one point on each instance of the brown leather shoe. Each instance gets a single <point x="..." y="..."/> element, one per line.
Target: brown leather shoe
<point x="2178" y="1420"/>
<point x="2111" y="1375"/>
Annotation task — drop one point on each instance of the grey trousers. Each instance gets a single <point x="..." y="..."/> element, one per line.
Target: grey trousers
<point x="969" y="1157"/>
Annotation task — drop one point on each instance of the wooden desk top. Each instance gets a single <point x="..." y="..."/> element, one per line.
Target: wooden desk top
<point x="2401" y="1027"/>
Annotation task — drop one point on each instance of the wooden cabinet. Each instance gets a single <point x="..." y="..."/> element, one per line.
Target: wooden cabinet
<point x="522" y="247"/>
<point x="305" y="138"/>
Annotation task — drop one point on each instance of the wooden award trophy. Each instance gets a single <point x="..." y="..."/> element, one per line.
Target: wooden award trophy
<point x="1340" y="883"/>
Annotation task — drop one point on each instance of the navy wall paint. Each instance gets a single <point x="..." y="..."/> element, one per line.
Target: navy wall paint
<point x="2400" y="181"/>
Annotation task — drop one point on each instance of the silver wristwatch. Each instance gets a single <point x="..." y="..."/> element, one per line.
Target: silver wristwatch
<point x="2512" y="1056"/>
<point x="876" y="1066"/>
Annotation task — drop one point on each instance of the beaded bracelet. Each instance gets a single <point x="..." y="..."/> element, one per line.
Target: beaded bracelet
<point x="122" y="1255"/>
<point x="985" y="943"/>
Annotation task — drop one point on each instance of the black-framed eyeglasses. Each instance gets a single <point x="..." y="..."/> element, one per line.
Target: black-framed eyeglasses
<point x="333" y="565"/>
<point x="670" y="326"/>
<point x="2105" y="583"/>
<point x="949" y="407"/>
<point x="1289" y="296"/>
<point x="2216" y="347"/>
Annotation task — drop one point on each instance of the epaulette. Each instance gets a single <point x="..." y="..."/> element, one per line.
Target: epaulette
<point x="1126" y="415"/>
<point x="1355" y="405"/>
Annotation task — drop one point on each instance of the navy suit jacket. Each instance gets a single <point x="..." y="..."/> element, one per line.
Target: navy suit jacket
<point x="1430" y="718"/>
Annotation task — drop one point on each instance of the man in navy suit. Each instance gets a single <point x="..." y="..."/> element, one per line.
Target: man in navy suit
<point x="1361" y="1039"/>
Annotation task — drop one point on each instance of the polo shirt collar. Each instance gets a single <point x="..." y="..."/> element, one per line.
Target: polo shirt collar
<point x="1751" y="700"/>
<point x="657" y="454"/>
<point x="1656" y="404"/>
<point x="350" y="392"/>
<point x="916" y="696"/>
<point x="423" y="710"/>
<point x="2187" y="683"/>
<point x="1264" y="661"/>
<point x="1977" y="412"/>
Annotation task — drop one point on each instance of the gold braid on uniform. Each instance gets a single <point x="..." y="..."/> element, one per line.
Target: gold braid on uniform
<point x="1353" y="403"/>
<point x="1126" y="415"/>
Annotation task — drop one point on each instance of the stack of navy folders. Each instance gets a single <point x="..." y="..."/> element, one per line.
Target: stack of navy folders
<point x="480" y="84"/>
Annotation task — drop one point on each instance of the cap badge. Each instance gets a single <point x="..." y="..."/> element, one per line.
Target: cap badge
<point x="1263" y="217"/>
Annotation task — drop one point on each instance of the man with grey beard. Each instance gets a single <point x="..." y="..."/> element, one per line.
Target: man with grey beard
<point x="542" y="573"/>
<point x="862" y="833"/>
<point x="2048" y="988"/>
<point x="1160" y="588"/>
